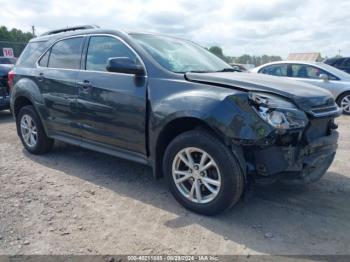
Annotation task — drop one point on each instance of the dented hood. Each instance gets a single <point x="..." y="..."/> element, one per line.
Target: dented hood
<point x="305" y="96"/>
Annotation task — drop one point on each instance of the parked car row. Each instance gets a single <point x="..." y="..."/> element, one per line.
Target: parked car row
<point x="342" y="63"/>
<point x="171" y="104"/>
<point x="6" y="64"/>
<point x="320" y="74"/>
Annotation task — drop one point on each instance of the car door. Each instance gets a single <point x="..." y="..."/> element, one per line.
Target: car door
<point x="112" y="105"/>
<point x="311" y="74"/>
<point x="57" y="74"/>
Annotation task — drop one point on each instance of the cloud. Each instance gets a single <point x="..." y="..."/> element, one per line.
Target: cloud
<point x="252" y="26"/>
<point x="267" y="10"/>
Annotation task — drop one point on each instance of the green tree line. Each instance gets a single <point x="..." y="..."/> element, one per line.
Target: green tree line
<point x="14" y="38"/>
<point x="244" y="59"/>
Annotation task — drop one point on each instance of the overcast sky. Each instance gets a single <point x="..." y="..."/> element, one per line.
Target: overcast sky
<point x="240" y="27"/>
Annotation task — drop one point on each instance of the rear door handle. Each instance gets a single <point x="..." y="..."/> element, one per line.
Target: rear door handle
<point x="40" y="77"/>
<point x="85" y="84"/>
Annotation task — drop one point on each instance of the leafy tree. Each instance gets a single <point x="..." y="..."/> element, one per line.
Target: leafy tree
<point x="14" y="38"/>
<point x="217" y="50"/>
<point x="244" y="59"/>
<point x="14" y="35"/>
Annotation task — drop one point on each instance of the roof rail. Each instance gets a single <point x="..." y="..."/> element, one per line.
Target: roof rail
<point x="73" y="28"/>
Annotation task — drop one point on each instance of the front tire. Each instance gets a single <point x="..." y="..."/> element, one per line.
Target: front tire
<point x="343" y="101"/>
<point x="31" y="131"/>
<point x="202" y="173"/>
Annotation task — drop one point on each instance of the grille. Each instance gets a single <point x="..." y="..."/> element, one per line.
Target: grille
<point x="325" y="110"/>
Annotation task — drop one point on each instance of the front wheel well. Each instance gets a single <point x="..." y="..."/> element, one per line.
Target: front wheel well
<point x="341" y="95"/>
<point x="172" y="130"/>
<point x="19" y="103"/>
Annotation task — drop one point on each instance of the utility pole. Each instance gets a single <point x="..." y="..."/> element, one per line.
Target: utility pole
<point x="33" y="30"/>
<point x="339" y="51"/>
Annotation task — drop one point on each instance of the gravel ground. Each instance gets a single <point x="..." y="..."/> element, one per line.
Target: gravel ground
<point x="75" y="201"/>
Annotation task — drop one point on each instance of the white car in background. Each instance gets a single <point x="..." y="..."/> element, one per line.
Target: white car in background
<point x="319" y="74"/>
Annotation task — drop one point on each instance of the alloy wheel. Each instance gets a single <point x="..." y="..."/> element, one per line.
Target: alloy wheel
<point x="345" y="103"/>
<point x="196" y="175"/>
<point x="29" y="131"/>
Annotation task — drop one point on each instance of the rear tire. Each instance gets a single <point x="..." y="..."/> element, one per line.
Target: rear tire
<point x="220" y="184"/>
<point x="343" y="101"/>
<point x="31" y="131"/>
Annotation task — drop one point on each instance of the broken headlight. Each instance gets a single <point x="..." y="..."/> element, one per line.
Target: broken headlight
<point x="277" y="111"/>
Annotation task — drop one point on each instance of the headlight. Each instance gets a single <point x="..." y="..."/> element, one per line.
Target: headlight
<point x="277" y="111"/>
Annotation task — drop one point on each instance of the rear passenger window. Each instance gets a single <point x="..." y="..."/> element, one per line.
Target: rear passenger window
<point x="339" y="62"/>
<point x="347" y="62"/>
<point x="66" y="53"/>
<point x="101" y="48"/>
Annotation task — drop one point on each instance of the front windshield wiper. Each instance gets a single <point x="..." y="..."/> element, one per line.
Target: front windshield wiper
<point x="211" y="71"/>
<point x="228" y="69"/>
<point x="200" y="71"/>
<point x="194" y="71"/>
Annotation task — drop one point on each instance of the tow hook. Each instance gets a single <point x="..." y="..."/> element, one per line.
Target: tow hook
<point x="333" y="125"/>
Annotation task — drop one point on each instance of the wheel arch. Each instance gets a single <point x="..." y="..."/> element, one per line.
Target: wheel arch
<point x="338" y="101"/>
<point x="178" y="126"/>
<point x="20" y="102"/>
<point x="341" y="94"/>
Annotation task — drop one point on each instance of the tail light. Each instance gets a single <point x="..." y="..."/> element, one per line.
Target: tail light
<point x="10" y="78"/>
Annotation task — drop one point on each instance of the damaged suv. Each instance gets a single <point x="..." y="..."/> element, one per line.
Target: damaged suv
<point x="170" y="104"/>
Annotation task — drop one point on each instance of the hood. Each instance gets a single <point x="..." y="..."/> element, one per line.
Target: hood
<point x="305" y="96"/>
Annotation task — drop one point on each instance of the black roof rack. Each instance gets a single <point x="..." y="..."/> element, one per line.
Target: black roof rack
<point x="73" y="28"/>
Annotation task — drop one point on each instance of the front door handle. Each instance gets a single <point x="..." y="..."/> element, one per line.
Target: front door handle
<point x="85" y="84"/>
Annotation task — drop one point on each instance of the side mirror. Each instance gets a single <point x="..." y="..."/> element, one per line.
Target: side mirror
<point x="124" y="65"/>
<point x="324" y="77"/>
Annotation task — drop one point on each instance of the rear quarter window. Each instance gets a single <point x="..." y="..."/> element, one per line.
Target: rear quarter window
<point x="30" y="54"/>
<point x="275" y="70"/>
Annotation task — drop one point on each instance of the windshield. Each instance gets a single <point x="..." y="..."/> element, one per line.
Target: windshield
<point x="333" y="70"/>
<point x="180" y="56"/>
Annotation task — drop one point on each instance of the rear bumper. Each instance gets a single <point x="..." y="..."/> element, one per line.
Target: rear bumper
<point x="273" y="161"/>
<point x="4" y="94"/>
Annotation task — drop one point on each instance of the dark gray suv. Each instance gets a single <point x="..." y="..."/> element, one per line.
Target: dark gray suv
<point x="170" y="104"/>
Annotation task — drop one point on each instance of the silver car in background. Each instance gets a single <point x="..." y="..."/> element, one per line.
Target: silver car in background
<point x="319" y="74"/>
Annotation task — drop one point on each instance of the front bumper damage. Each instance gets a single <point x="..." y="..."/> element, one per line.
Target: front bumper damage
<point x="295" y="155"/>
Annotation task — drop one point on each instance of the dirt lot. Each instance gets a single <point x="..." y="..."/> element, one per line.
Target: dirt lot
<point x="74" y="201"/>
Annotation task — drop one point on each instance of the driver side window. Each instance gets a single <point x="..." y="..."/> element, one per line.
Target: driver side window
<point x="310" y="72"/>
<point x="101" y="48"/>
